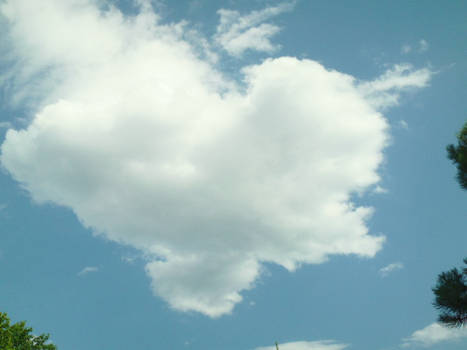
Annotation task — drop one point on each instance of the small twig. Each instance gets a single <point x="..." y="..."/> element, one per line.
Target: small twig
<point x="277" y="346"/>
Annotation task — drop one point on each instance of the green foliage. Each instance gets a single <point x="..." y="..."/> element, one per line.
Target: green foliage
<point x="19" y="337"/>
<point x="451" y="297"/>
<point x="458" y="155"/>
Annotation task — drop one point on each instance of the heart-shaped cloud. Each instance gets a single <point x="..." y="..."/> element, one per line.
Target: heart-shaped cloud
<point x="153" y="147"/>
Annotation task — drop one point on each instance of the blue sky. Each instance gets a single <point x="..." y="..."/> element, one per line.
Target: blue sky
<point x="226" y="174"/>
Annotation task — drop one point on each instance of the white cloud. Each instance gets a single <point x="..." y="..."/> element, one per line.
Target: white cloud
<point x="128" y="259"/>
<point x="237" y="33"/>
<point x="384" y="271"/>
<point x="151" y="147"/>
<point x="380" y="190"/>
<point x="420" y="47"/>
<point x="403" y="124"/>
<point x="307" y="345"/>
<point x="423" y="45"/>
<point x="87" y="269"/>
<point x="433" y="334"/>
<point x="3" y="207"/>
<point x="405" y="49"/>
<point x="5" y="125"/>
<point x="385" y="91"/>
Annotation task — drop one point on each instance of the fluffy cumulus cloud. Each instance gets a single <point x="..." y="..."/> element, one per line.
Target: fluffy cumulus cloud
<point x="433" y="334"/>
<point x="237" y="33"/>
<point x="152" y="147"/>
<point x="308" y="345"/>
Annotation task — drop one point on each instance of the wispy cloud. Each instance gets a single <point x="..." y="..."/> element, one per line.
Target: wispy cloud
<point x="434" y="334"/>
<point x="423" y="45"/>
<point x="128" y="259"/>
<point x="87" y="270"/>
<point x="385" y="91"/>
<point x="403" y="124"/>
<point x="390" y="268"/>
<point x="380" y="190"/>
<point x="237" y="33"/>
<point x="405" y="49"/>
<point x="420" y="47"/>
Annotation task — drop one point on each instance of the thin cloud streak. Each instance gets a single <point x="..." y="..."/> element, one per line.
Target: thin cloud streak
<point x="87" y="270"/>
<point x="385" y="271"/>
